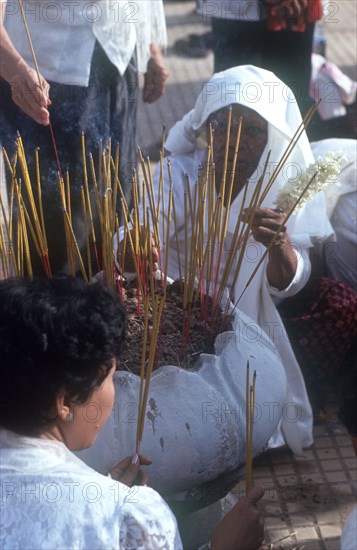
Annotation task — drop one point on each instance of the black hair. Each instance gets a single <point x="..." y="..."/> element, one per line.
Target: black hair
<point x="58" y="334"/>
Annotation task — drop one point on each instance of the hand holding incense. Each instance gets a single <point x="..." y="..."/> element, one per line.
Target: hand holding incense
<point x="126" y="259"/>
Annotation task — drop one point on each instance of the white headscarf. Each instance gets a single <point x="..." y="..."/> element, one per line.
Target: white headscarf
<point x="253" y="87"/>
<point x="261" y="91"/>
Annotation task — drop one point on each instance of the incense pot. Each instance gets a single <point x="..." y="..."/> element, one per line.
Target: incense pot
<point x="195" y="419"/>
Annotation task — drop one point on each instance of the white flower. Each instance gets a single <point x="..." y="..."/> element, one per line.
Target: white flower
<point x="326" y="169"/>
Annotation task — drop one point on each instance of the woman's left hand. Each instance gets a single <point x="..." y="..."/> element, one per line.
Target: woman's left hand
<point x="266" y="223"/>
<point x="128" y="470"/>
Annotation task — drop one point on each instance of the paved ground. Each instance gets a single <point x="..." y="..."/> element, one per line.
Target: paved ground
<point x="307" y="499"/>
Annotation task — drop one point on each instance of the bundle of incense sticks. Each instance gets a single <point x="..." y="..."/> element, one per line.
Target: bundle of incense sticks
<point x="201" y="272"/>
<point x="16" y="255"/>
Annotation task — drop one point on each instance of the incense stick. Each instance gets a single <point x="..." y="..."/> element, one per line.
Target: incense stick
<point x="249" y="410"/>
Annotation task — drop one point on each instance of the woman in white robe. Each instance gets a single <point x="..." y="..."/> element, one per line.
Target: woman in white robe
<point x="263" y="93"/>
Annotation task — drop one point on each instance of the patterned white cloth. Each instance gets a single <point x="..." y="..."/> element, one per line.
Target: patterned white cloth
<point x="51" y="499"/>
<point x="64" y="33"/>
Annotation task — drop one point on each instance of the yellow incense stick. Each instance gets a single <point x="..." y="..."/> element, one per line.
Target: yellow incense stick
<point x="74" y="240"/>
<point x="247" y="428"/>
<point x="39" y="197"/>
<point x="86" y="188"/>
<point x="175" y="224"/>
<point x="250" y="408"/>
<point x="96" y="190"/>
<point x="142" y="372"/>
<point x="24" y="236"/>
<point x="290" y="148"/>
<point x="84" y="210"/>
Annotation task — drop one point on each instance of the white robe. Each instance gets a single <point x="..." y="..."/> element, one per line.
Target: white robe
<point x="51" y="499"/>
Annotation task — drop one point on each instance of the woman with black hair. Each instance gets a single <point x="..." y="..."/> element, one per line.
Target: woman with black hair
<point x="60" y="339"/>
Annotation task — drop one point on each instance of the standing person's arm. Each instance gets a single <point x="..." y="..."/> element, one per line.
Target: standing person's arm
<point x="155" y="77"/>
<point x="25" y="88"/>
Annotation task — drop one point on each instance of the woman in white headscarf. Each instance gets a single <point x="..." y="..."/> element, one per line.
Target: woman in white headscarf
<point x="270" y="119"/>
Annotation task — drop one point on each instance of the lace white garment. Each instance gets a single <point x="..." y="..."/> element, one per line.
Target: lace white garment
<point x="51" y="499"/>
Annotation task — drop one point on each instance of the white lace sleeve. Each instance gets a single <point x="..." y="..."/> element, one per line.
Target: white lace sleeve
<point x="148" y="523"/>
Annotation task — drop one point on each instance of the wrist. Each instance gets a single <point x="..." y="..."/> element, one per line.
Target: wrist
<point x="113" y="475"/>
<point x="281" y="244"/>
<point x="11" y="69"/>
<point x="155" y="52"/>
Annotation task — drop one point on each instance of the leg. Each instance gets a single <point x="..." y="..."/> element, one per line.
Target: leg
<point x="288" y="55"/>
<point x="237" y="43"/>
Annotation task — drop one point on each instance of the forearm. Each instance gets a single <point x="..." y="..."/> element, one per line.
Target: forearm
<point x="11" y="61"/>
<point x="300" y="278"/>
<point x="156" y="76"/>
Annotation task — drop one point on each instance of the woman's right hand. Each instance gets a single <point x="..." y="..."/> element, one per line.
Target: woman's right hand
<point x="27" y="92"/>
<point x="128" y="470"/>
<point x="30" y="95"/>
<point x="125" y="255"/>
